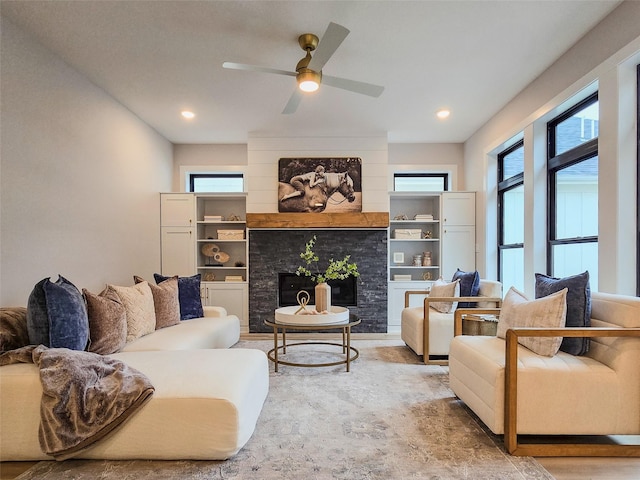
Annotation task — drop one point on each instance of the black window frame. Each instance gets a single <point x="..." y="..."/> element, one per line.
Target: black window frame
<point x="637" y="181"/>
<point x="556" y="163"/>
<point x="444" y="176"/>
<point x="194" y="176"/>
<point x="503" y="187"/>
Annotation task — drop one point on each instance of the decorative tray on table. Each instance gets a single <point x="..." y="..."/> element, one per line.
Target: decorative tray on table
<point x="297" y="315"/>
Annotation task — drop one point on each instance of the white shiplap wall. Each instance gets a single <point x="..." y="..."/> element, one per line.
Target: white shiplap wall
<point x="264" y="153"/>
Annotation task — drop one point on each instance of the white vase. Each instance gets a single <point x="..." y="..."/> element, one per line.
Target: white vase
<point x="323" y="297"/>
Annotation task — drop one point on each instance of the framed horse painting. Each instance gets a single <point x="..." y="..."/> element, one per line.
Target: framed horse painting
<point x="320" y="185"/>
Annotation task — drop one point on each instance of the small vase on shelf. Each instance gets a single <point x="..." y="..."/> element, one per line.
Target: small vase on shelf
<point x="323" y="297"/>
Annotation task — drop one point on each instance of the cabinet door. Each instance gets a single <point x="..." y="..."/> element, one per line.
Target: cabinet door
<point x="459" y="208"/>
<point x="177" y="209"/>
<point x="458" y="249"/>
<point x="233" y="296"/>
<point x="396" y="301"/>
<point x="178" y="251"/>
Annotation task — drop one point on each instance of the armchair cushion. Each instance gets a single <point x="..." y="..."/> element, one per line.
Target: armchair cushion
<point x="440" y="288"/>
<point x="469" y="286"/>
<point x="548" y="312"/>
<point x="578" y="306"/>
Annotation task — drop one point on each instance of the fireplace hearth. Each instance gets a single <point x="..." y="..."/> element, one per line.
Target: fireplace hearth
<point x="278" y="250"/>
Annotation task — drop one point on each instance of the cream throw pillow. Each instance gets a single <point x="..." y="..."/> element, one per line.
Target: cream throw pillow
<point x="139" y="307"/>
<point x="546" y="312"/>
<point x="440" y="288"/>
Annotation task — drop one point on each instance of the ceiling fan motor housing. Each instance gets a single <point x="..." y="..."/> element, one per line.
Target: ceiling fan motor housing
<point x="308" y="42"/>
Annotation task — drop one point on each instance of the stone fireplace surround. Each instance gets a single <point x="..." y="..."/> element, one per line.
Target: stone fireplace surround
<point x="272" y="251"/>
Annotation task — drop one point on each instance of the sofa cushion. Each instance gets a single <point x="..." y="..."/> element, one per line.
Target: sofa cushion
<point x="107" y="321"/>
<point x="138" y="305"/>
<point x="57" y="315"/>
<point x="578" y="306"/>
<point x="165" y="301"/>
<point x="188" y="295"/>
<point x="13" y="328"/>
<point x="549" y="312"/>
<point x="197" y="333"/>
<point x="440" y="288"/>
<point x="469" y="286"/>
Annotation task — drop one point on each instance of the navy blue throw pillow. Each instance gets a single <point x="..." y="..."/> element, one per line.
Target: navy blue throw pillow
<point x="578" y="306"/>
<point x="57" y="315"/>
<point x="469" y="286"/>
<point x="188" y="295"/>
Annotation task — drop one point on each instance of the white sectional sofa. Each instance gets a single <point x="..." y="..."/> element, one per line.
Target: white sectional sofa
<point x="205" y="406"/>
<point x="516" y="392"/>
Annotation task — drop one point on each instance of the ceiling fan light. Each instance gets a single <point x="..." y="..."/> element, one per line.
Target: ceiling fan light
<point x="308" y="81"/>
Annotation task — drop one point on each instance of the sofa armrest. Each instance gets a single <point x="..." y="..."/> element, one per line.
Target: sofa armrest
<point x="426" y="309"/>
<point x="211" y="311"/>
<point x="511" y="396"/>
<point x="408" y="293"/>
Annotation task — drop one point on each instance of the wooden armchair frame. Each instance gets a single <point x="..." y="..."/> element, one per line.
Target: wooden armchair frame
<point x="511" y="398"/>
<point x="427" y="302"/>
<point x="511" y="394"/>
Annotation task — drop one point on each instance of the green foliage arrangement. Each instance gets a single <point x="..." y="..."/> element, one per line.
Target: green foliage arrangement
<point x="337" y="269"/>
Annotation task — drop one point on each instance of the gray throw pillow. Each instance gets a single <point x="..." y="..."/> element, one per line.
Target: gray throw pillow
<point x="188" y="295"/>
<point x="57" y="315"/>
<point x="469" y="286"/>
<point x="578" y="306"/>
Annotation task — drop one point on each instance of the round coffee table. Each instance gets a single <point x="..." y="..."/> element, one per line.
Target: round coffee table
<point x="350" y="353"/>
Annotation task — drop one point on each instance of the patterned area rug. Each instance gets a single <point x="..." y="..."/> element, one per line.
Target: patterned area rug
<point x="391" y="417"/>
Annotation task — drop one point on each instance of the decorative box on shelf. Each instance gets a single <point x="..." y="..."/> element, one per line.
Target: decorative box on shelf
<point x="401" y="278"/>
<point x="407" y="234"/>
<point x="230" y="234"/>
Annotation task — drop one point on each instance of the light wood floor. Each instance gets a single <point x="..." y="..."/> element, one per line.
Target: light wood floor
<point x="561" y="468"/>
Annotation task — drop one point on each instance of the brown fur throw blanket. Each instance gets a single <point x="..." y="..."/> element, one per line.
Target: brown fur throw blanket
<point x="85" y="396"/>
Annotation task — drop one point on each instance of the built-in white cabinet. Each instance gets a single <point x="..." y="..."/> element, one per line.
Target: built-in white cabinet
<point x="177" y="214"/>
<point x="430" y="235"/>
<point x="458" y="232"/>
<point x="234" y="296"/>
<point x="206" y="234"/>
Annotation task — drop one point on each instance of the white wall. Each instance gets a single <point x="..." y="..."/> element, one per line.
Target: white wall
<point x="596" y="57"/>
<point x="81" y="177"/>
<point x="205" y="158"/>
<point x="428" y="157"/>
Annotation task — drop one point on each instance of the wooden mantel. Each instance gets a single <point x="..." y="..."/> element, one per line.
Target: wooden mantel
<point x="318" y="220"/>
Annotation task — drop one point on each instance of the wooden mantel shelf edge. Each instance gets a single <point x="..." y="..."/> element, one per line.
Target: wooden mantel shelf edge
<point x="318" y="220"/>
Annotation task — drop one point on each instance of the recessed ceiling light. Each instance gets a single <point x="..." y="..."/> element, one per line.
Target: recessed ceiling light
<point x="188" y="114"/>
<point x="442" y="114"/>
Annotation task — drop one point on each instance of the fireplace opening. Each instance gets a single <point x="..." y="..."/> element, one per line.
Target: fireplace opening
<point x="343" y="292"/>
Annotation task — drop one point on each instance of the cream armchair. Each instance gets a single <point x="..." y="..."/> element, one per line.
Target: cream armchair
<point x="429" y="332"/>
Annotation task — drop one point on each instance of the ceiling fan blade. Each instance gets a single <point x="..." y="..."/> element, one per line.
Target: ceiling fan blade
<point x="254" y="68"/>
<point x="294" y="101"/>
<point x="329" y="43"/>
<point x="353" y="86"/>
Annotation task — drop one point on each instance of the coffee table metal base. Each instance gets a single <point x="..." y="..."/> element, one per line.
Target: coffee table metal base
<point x="350" y="353"/>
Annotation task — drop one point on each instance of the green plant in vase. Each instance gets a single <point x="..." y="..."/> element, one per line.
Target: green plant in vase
<point x="336" y="270"/>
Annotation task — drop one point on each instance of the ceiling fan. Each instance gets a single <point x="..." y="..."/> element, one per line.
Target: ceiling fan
<point x="309" y="69"/>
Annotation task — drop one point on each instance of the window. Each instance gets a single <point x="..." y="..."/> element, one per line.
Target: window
<point x="511" y="216"/>
<point x="216" y="182"/>
<point x="420" y="182"/>
<point x="572" y="167"/>
<point x="638" y="181"/>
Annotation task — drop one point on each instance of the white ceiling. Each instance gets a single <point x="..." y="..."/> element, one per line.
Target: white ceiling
<point x="160" y="57"/>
